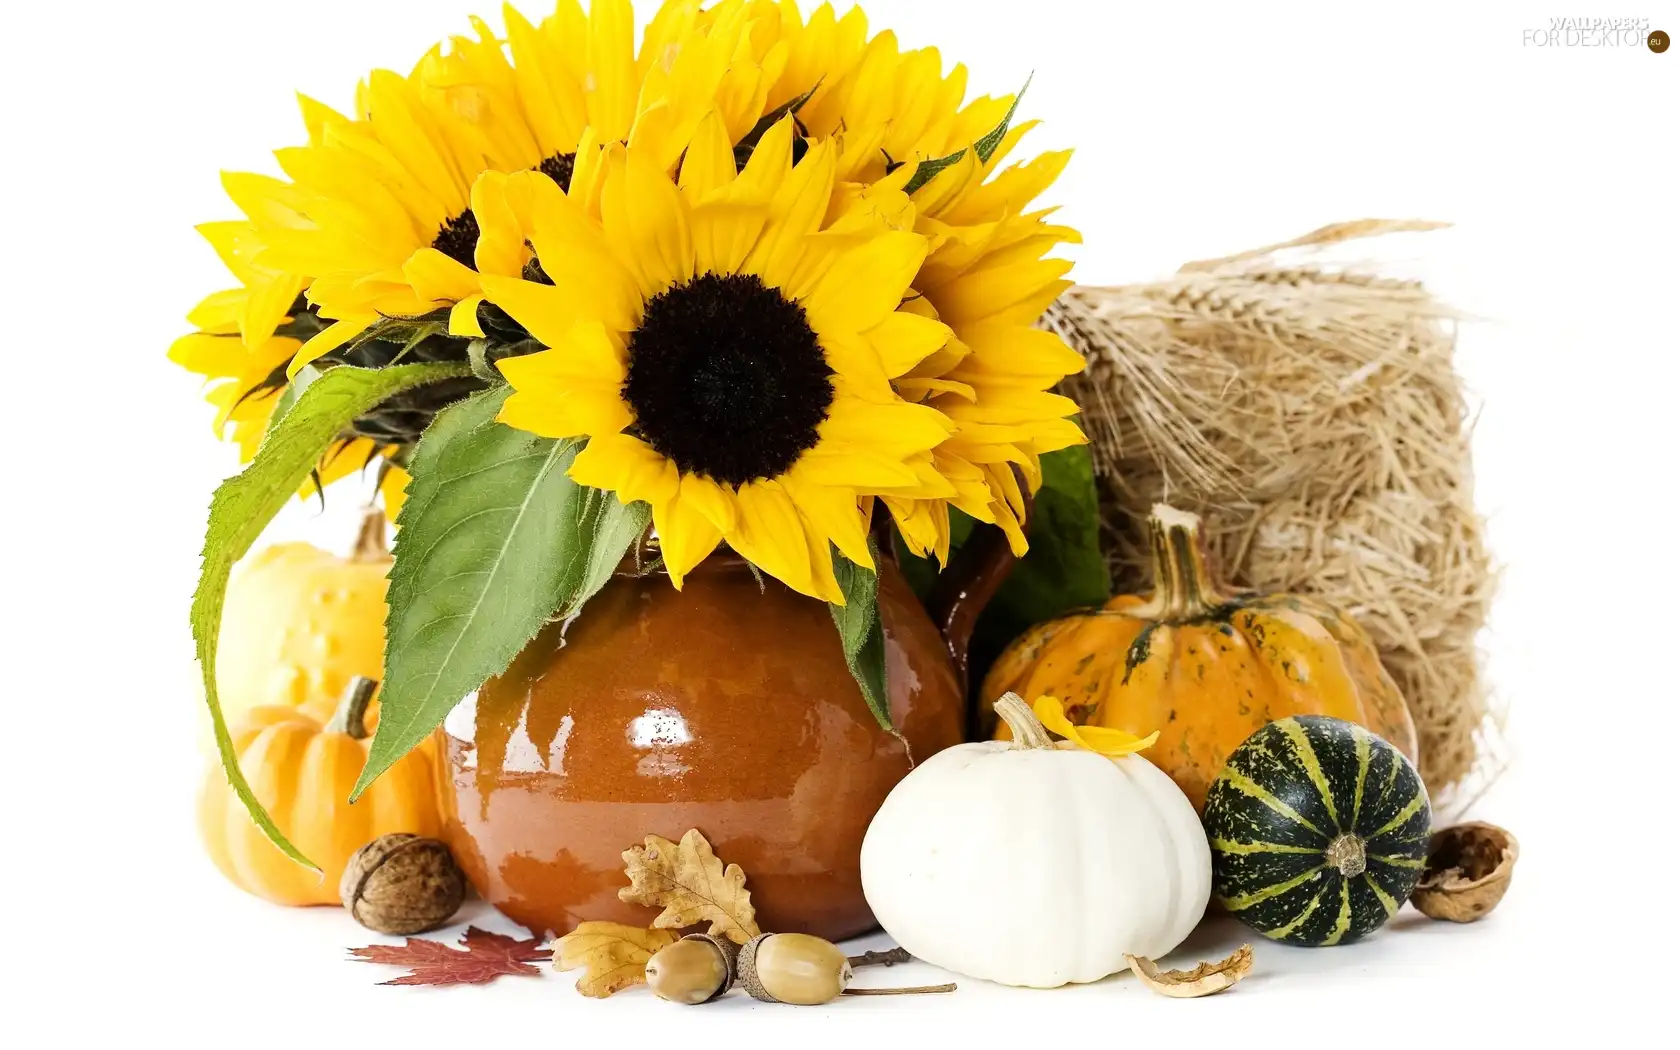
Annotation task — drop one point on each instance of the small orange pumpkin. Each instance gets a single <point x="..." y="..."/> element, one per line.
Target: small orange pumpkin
<point x="303" y="773"/>
<point x="301" y="622"/>
<point x="1204" y="666"/>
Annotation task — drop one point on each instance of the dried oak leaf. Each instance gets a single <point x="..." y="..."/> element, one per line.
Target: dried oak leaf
<point x="1206" y="979"/>
<point x="487" y="957"/>
<point x="614" y="956"/>
<point x="692" y="885"/>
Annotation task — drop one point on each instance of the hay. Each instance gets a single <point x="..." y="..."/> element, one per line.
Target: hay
<point x="1313" y="416"/>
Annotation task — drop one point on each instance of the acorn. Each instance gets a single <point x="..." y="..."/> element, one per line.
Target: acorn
<point x="794" y="968"/>
<point x="803" y="970"/>
<point x="694" y="970"/>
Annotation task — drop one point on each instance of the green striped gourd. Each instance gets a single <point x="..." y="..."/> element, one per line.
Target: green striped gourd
<point x="1318" y="829"/>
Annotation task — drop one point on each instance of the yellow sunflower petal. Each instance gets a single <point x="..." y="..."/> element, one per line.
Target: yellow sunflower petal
<point x="904" y="340"/>
<point x="393" y="490"/>
<point x="724" y="232"/>
<point x="549" y="311"/>
<point x="569" y="389"/>
<point x="463" y="317"/>
<point x="503" y="206"/>
<point x="901" y="429"/>
<point x="219" y="312"/>
<point x="327" y="340"/>
<point x="687" y="534"/>
<point x="627" y="467"/>
<point x="770" y="534"/>
<point x="646" y="222"/>
<point x="715" y="501"/>
<point x="610" y="91"/>
<point x="865" y="284"/>
<point x="796" y="212"/>
<point x="709" y="164"/>
<point x="435" y="276"/>
<point x="833" y="513"/>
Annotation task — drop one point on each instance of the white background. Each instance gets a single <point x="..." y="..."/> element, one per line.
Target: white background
<point x="1201" y="131"/>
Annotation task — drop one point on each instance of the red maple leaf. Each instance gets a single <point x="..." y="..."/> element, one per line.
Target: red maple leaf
<point x="487" y="957"/>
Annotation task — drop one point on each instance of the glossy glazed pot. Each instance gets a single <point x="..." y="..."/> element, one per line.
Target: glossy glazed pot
<point x="725" y="707"/>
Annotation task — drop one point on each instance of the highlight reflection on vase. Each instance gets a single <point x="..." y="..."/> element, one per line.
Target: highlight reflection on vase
<point x="725" y="707"/>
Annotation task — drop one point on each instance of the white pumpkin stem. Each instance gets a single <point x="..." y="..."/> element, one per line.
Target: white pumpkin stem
<point x="351" y="716"/>
<point x="1185" y="587"/>
<point x="1024" y="726"/>
<point x="370" y="538"/>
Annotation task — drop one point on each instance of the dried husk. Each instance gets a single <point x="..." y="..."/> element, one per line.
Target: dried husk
<point x="1467" y="872"/>
<point x="1210" y="978"/>
<point x="1312" y="416"/>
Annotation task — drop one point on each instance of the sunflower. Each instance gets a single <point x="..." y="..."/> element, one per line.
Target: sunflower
<point x="239" y="382"/>
<point x="727" y="351"/>
<point x="884" y="106"/>
<point x="989" y="277"/>
<point x="556" y="93"/>
<point x="389" y="232"/>
<point x="246" y="336"/>
<point x="392" y="231"/>
<point x="986" y="274"/>
<point x="265" y="294"/>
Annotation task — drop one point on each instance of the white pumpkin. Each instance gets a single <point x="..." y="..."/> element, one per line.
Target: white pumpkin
<point x="1030" y="863"/>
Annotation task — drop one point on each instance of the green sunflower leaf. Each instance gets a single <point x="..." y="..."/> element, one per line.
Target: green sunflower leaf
<point x="750" y="141"/>
<point x="990" y="142"/>
<point x="927" y="169"/>
<point x="494" y="541"/>
<point x="986" y="146"/>
<point x="245" y="504"/>
<point x="859" y="622"/>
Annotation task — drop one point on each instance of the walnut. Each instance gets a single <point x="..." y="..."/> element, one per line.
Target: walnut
<point x="402" y="884"/>
<point x="1468" y="871"/>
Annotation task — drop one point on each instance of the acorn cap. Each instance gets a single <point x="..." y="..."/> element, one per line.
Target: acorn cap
<point x="726" y="948"/>
<point x="746" y="969"/>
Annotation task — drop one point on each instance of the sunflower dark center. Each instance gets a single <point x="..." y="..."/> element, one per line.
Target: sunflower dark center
<point x="727" y="378"/>
<point x="458" y="238"/>
<point x="559" y="168"/>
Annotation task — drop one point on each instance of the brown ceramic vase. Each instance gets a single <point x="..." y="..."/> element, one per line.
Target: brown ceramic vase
<point x="725" y="707"/>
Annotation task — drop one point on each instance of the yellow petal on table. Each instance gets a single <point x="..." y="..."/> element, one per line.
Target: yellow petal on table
<point x="1110" y="742"/>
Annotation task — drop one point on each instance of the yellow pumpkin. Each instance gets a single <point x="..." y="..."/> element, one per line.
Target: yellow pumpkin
<point x="1204" y="666"/>
<point x="300" y="623"/>
<point x="302" y="773"/>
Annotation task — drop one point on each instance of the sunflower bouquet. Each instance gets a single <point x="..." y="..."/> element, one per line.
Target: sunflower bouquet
<point x="752" y="284"/>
